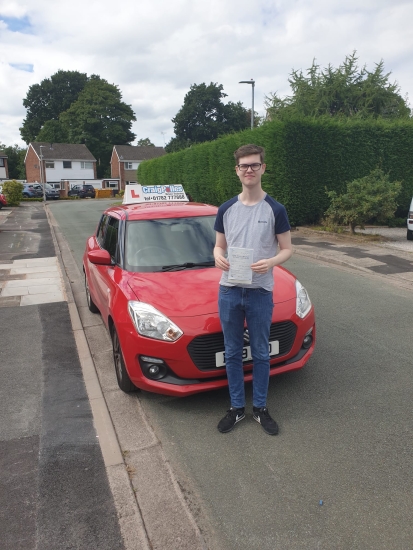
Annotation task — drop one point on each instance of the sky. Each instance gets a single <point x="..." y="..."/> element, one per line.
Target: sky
<point x="154" y="51"/>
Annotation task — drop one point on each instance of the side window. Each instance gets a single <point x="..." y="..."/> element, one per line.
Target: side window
<point x="100" y="235"/>
<point x="111" y="237"/>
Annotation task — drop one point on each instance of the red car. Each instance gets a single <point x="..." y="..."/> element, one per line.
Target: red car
<point x="3" y="201"/>
<point x="150" y="272"/>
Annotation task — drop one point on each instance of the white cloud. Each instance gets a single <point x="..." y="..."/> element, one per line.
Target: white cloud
<point x="12" y="8"/>
<point x="154" y="51"/>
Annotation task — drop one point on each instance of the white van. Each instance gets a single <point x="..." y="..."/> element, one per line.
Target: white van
<point x="410" y="223"/>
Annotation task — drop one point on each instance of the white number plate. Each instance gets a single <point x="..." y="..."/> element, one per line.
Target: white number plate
<point x="246" y="353"/>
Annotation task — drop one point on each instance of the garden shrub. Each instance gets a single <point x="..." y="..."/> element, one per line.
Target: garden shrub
<point x="12" y="190"/>
<point x="370" y="198"/>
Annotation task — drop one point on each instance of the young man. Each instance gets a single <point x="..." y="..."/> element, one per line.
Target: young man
<point x="251" y="225"/>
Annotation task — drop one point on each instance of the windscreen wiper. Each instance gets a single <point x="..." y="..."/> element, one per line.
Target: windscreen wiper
<point x="187" y="265"/>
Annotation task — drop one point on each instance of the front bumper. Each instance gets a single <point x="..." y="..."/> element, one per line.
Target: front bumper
<point x="173" y="385"/>
<point x="183" y="377"/>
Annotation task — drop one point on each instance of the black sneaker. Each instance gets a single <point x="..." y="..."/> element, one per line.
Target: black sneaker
<point x="230" y="419"/>
<point x="262" y="416"/>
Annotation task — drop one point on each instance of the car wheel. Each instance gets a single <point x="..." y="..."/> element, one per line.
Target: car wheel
<point x="90" y="303"/>
<point x="409" y="235"/>
<point x="124" y="382"/>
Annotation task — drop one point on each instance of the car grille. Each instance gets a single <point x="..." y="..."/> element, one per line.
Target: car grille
<point x="202" y="349"/>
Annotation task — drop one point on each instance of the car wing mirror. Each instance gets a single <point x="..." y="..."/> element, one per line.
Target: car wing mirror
<point x="100" y="257"/>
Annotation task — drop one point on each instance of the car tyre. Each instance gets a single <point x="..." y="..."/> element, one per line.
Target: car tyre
<point x="90" y="303"/>
<point x="122" y="376"/>
<point x="409" y="235"/>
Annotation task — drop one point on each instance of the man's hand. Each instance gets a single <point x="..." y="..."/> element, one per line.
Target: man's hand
<point x="286" y="251"/>
<point x="262" y="266"/>
<point x="220" y="260"/>
<point x="219" y="252"/>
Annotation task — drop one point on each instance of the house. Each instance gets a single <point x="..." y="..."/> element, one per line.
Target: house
<point x="126" y="159"/>
<point x="56" y="162"/>
<point x="4" y="169"/>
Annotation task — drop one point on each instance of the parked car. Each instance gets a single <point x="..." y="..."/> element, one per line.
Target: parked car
<point x="31" y="192"/>
<point x="50" y="192"/>
<point x="3" y="200"/>
<point x="82" y="191"/>
<point x="150" y="272"/>
<point x="410" y="223"/>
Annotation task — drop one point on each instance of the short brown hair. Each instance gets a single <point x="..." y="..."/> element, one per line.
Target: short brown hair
<point x="250" y="149"/>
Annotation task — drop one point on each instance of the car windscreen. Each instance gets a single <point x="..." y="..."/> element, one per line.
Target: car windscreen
<point x="168" y="244"/>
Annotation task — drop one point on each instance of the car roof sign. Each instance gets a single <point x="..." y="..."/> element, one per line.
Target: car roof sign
<point x="136" y="193"/>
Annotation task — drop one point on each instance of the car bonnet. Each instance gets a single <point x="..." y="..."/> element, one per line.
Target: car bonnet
<point x="180" y="293"/>
<point x="194" y="292"/>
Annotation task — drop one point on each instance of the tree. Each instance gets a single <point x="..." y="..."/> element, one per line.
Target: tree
<point x="370" y="198"/>
<point x="145" y="143"/>
<point x="99" y="118"/>
<point x="204" y="116"/>
<point x="177" y="144"/>
<point x="45" y="101"/>
<point x="15" y="161"/>
<point x="53" y="131"/>
<point x="344" y="92"/>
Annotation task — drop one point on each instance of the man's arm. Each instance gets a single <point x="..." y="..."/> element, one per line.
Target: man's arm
<point x="219" y="252"/>
<point x="286" y="251"/>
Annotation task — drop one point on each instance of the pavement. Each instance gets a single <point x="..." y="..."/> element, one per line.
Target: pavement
<point x="66" y="478"/>
<point x="389" y="257"/>
<point x="54" y="490"/>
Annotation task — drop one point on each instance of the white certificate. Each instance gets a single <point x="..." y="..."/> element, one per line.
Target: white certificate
<point x="240" y="260"/>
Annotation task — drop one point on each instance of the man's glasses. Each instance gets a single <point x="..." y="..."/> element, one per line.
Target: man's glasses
<point x="244" y="167"/>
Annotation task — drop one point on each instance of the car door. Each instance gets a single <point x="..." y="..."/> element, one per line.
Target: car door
<point x="104" y="283"/>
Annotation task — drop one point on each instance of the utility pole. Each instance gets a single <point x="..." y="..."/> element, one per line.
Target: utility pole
<point x="252" y="82"/>
<point x="42" y="174"/>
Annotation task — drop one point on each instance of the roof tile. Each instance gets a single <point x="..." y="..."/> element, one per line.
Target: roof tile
<point x="63" y="151"/>
<point x="135" y="152"/>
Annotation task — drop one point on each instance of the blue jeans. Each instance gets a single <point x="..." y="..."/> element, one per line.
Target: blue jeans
<point x="255" y="306"/>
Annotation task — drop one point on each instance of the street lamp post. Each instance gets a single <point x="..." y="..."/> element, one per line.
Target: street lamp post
<point x="42" y="178"/>
<point x="252" y="82"/>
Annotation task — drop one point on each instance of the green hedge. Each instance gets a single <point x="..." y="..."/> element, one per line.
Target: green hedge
<point x="304" y="157"/>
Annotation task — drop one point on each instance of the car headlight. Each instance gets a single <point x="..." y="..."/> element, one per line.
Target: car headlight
<point x="303" y="302"/>
<point x="152" y="323"/>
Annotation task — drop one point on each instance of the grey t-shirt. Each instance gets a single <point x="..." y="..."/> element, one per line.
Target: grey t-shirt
<point x="253" y="227"/>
